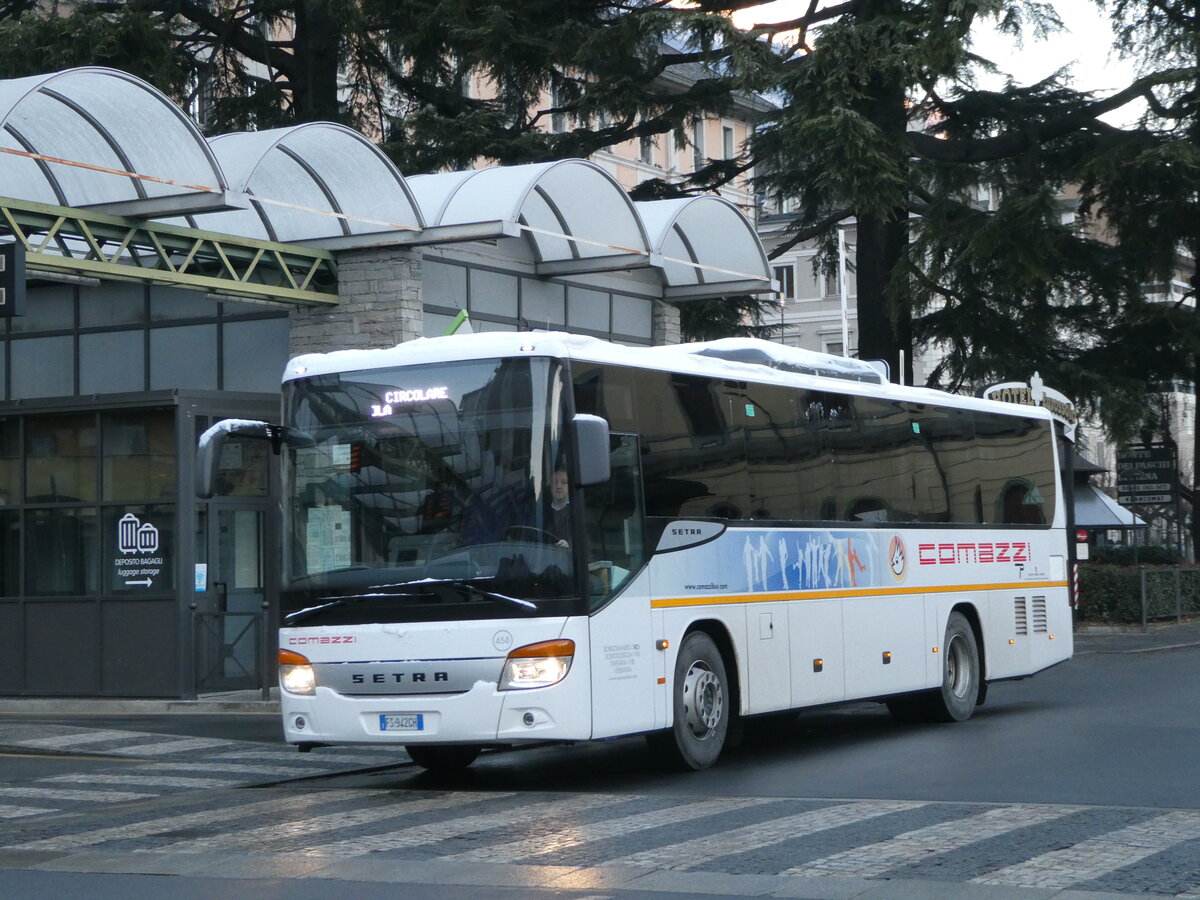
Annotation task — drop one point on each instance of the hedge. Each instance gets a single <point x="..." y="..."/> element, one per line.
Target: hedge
<point x="1120" y="555"/>
<point x="1113" y="594"/>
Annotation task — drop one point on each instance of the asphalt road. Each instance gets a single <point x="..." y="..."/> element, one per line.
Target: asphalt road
<point x="1116" y="729"/>
<point x="1100" y="751"/>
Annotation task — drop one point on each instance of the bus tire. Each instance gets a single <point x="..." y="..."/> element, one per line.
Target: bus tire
<point x="701" y="706"/>
<point x="956" y="700"/>
<point x="443" y="757"/>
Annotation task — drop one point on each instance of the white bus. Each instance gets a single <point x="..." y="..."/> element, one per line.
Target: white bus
<point x="495" y="539"/>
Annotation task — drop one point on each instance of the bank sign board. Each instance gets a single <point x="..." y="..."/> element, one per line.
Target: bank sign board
<point x="1146" y="475"/>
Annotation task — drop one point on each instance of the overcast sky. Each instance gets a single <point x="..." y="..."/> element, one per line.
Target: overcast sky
<point x="1085" y="45"/>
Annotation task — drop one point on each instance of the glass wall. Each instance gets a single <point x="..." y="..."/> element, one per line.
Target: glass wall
<point x="124" y="338"/>
<point x="500" y="301"/>
<point x="88" y="522"/>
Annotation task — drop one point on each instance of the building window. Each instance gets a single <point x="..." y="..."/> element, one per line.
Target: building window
<point x="138" y="457"/>
<point x="727" y="142"/>
<point x="786" y="276"/>
<point x="558" y="118"/>
<point x="698" y="159"/>
<point x="646" y="149"/>
<point x="834" y="348"/>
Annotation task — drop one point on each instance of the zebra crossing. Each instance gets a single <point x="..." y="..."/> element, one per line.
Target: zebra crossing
<point x="158" y="764"/>
<point x="778" y="845"/>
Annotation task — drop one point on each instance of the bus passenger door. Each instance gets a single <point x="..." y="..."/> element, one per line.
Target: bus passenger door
<point x="623" y="654"/>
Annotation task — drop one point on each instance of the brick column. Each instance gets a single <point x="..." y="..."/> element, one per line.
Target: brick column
<point x="665" y="327"/>
<point x="379" y="304"/>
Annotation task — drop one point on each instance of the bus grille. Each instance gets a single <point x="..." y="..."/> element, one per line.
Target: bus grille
<point x="1021" y="616"/>
<point x="1040" y="625"/>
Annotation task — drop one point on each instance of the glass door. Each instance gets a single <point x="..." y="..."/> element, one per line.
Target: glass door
<point x="235" y="573"/>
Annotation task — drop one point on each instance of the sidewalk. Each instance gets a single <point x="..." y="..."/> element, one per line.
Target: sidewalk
<point x="231" y="702"/>
<point x="1132" y="639"/>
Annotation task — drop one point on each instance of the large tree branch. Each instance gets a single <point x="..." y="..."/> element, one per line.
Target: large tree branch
<point x="227" y="32"/>
<point x="1010" y="144"/>
<point x="811" y="16"/>
<point x="810" y="231"/>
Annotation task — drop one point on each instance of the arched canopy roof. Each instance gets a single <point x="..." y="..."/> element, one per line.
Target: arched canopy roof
<point x="99" y="139"/>
<point x="705" y="246"/>
<point x="108" y="120"/>
<point x="574" y="215"/>
<point x="311" y="181"/>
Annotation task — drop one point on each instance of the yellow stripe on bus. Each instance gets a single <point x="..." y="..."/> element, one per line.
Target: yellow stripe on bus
<point x="775" y="596"/>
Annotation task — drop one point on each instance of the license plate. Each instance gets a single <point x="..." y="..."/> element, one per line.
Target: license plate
<point x="403" y="722"/>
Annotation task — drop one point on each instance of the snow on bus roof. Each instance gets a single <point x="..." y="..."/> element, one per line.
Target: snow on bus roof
<point x="738" y="359"/>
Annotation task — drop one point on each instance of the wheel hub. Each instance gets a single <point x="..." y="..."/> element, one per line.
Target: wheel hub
<point x="703" y="701"/>
<point x="958" y="669"/>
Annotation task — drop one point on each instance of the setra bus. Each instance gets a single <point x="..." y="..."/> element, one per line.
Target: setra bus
<point x="493" y="539"/>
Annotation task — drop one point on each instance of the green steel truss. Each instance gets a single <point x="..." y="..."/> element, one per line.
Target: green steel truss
<point x="82" y="242"/>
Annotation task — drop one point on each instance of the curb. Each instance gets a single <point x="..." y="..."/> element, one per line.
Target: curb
<point x="83" y="706"/>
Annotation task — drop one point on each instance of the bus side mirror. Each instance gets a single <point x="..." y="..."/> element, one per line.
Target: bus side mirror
<point x="208" y="450"/>
<point x="592" y="461"/>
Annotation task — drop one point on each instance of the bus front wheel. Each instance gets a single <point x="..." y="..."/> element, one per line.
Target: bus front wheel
<point x="442" y="757"/>
<point x="701" y="706"/>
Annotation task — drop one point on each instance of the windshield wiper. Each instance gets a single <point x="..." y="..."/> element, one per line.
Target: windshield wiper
<point x="467" y="584"/>
<point x="385" y="590"/>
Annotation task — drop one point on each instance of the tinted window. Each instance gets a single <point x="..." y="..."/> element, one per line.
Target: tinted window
<point x="716" y="448"/>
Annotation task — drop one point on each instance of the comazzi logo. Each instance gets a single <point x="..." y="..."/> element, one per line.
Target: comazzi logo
<point x="897" y="558"/>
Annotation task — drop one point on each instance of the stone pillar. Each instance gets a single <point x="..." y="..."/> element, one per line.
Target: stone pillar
<point x="665" y="328"/>
<point x="379" y="304"/>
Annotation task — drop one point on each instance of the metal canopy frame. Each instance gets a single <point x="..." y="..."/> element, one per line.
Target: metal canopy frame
<point x="83" y="242"/>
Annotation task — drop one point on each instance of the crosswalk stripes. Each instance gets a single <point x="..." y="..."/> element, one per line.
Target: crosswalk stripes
<point x="73" y="739"/>
<point x="163" y="748"/>
<point x="436" y="832"/>
<point x="366" y="758"/>
<point x="166" y="764"/>
<point x="49" y="793"/>
<point x="1101" y="854"/>
<point x="320" y="824"/>
<point x="592" y="829"/>
<point x="171" y="822"/>
<point x="8" y="811"/>
<point x="529" y="848"/>
<point x="191" y="782"/>
<point x="913" y="846"/>
<point x="686" y="854"/>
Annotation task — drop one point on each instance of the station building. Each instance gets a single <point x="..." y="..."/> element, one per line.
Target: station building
<point x="168" y="278"/>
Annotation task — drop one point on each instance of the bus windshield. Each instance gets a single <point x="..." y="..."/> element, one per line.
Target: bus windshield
<point x="427" y="492"/>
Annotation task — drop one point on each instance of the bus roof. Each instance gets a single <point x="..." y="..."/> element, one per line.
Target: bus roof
<point x="738" y="359"/>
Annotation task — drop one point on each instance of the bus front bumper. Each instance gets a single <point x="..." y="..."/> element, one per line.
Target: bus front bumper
<point x="482" y="715"/>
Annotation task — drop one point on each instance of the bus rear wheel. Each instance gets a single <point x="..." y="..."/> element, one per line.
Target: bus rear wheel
<point x="701" y="706"/>
<point x="961" y="687"/>
<point x="443" y="757"/>
<point x="955" y="702"/>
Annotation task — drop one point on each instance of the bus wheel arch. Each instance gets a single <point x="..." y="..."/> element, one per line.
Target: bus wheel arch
<point x="704" y="696"/>
<point x="961" y="686"/>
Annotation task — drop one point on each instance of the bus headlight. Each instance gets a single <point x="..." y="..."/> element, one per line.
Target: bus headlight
<point x="296" y="674"/>
<point x="537" y="665"/>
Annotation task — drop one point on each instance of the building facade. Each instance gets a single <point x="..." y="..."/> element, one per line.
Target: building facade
<point x="169" y="279"/>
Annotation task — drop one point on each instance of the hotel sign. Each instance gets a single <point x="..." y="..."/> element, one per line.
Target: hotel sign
<point x="1037" y="394"/>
